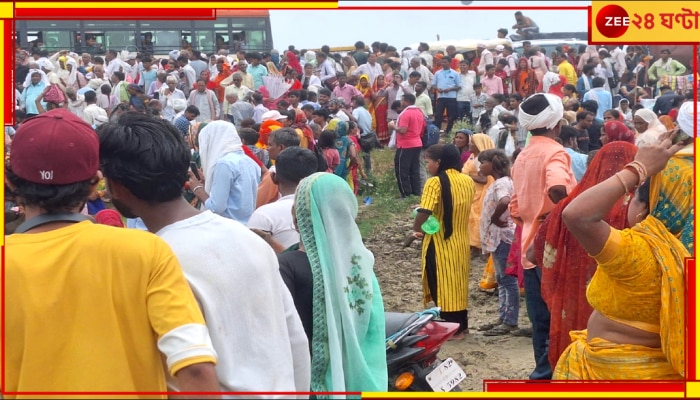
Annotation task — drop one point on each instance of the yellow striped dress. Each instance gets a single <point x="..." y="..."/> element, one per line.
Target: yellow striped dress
<point x="452" y="255"/>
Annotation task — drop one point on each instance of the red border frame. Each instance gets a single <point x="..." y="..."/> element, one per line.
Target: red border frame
<point x="491" y="386"/>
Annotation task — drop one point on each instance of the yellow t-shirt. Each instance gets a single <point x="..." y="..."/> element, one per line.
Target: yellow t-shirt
<point x="86" y="306"/>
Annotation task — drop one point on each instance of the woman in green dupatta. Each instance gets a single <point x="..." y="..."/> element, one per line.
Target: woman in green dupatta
<point x="347" y="348"/>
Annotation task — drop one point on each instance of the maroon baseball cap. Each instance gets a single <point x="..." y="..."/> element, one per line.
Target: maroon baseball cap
<point x="55" y="148"/>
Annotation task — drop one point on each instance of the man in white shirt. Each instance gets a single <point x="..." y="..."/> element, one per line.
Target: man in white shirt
<point x="259" y="109"/>
<point x="485" y="58"/>
<point x="424" y="50"/>
<point x="371" y="69"/>
<point x="327" y="72"/>
<point x="92" y="111"/>
<point x="425" y="74"/>
<point x="335" y="106"/>
<point x="187" y="73"/>
<point x="423" y="100"/>
<point x="464" y="109"/>
<point x="275" y="219"/>
<point x="206" y="101"/>
<point x="250" y="316"/>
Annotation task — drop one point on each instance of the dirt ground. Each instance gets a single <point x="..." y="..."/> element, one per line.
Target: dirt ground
<point x="398" y="270"/>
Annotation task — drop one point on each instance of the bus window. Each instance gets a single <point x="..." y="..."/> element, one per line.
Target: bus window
<point x="186" y="40"/>
<point x="204" y="41"/>
<point x="120" y="40"/>
<point x="222" y="40"/>
<point x="256" y="40"/>
<point x="55" y="41"/>
<point x="166" y="41"/>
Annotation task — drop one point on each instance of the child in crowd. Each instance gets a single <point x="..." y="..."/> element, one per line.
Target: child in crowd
<point x="497" y="231"/>
<point x="327" y="143"/>
<point x="477" y="100"/>
<point x="250" y="137"/>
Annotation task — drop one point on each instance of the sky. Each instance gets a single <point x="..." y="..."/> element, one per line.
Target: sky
<point x="399" y="28"/>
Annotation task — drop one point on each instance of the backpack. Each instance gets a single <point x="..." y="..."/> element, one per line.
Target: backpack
<point x="431" y="134"/>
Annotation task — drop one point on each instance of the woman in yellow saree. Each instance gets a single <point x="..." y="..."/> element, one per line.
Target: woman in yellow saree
<point x="369" y="94"/>
<point x="637" y="328"/>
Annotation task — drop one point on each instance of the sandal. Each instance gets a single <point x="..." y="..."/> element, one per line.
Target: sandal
<point x="524" y="332"/>
<point x="488" y="327"/>
<point x="500" y="330"/>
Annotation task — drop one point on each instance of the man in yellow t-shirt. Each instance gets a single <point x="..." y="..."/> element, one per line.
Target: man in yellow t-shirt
<point x="91" y="308"/>
<point x="566" y="69"/>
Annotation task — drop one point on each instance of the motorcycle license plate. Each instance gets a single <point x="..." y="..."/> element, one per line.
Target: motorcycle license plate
<point x="446" y="376"/>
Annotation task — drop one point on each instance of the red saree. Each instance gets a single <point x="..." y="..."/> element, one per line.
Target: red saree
<point x="381" y="109"/>
<point x="566" y="267"/>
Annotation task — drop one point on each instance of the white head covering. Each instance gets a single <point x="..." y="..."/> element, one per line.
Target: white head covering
<point x="216" y="140"/>
<point x="179" y="105"/>
<point x="685" y="118"/>
<point x="550" y="79"/>
<point x="174" y="54"/>
<point x="650" y="118"/>
<point x="547" y="118"/>
<point x="95" y="83"/>
<point x="73" y="74"/>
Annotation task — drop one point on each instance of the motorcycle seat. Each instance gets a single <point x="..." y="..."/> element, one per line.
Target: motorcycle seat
<point x="397" y="321"/>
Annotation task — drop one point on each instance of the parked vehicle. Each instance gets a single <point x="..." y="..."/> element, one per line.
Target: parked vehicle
<point x="413" y="342"/>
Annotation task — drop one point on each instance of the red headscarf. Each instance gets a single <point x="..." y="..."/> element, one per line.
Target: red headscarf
<point x="109" y="217"/>
<point x="566" y="267"/>
<point x="293" y="62"/>
<point x="617" y="131"/>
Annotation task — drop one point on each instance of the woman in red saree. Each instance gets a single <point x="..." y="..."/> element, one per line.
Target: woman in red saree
<point x="364" y="87"/>
<point x="293" y="62"/>
<point x="524" y="79"/>
<point x="381" y="109"/>
<point x="290" y="76"/>
<point x="566" y="267"/>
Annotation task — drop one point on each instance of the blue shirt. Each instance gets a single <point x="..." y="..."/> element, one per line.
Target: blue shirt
<point x="234" y="187"/>
<point x="29" y="95"/>
<point x="581" y="86"/>
<point x="578" y="163"/>
<point x="364" y="119"/>
<point x="182" y="124"/>
<point x="257" y="72"/>
<point x="602" y="97"/>
<point x="447" y="79"/>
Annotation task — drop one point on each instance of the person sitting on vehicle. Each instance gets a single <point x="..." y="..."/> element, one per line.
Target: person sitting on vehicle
<point x="525" y="26"/>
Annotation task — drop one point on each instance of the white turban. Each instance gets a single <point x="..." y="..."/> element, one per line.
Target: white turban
<point x="686" y="117"/>
<point x="179" y="105"/>
<point x="547" y="118"/>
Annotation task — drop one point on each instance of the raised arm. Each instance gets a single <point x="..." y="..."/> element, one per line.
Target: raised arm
<point x="584" y="215"/>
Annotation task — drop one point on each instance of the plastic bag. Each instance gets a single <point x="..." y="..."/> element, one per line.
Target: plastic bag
<point x="488" y="279"/>
<point x="392" y="140"/>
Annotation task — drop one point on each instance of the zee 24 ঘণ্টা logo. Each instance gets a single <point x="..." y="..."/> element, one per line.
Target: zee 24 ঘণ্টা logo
<point x="613" y="21"/>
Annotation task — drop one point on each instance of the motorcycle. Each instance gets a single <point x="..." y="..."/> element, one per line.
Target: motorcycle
<point x="412" y="345"/>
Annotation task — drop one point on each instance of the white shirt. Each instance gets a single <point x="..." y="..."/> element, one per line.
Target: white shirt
<point x="425" y="75"/>
<point x="276" y="218"/>
<point x="341" y="115"/>
<point x="252" y="320"/>
<point x="91" y="112"/>
<point x="372" y="71"/>
<point x="427" y="57"/>
<point x="466" y="86"/>
<point x="485" y="59"/>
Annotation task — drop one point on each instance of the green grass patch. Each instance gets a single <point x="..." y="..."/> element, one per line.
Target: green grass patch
<point x="386" y="201"/>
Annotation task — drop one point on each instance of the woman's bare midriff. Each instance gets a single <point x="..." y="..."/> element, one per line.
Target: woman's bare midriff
<point x="600" y="326"/>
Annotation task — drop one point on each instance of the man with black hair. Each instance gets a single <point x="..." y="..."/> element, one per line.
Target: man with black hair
<point x="274" y="222"/>
<point x="542" y="167"/>
<point x="81" y="326"/>
<point x="360" y="54"/>
<point x="92" y="111"/>
<point x="237" y="285"/>
<point x="280" y="139"/>
<point x="259" y="108"/>
<point x="664" y="102"/>
<point x="502" y="33"/>
<point x="409" y="127"/>
<point x="602" y="97"/>
<point x="594" y="128"/>
<point x="568" y="136"/>
<point x="448" y="82"/>
<point x="585" y="82"/>
<point x="184" y="121"/>
<point x="187" y="74"/>
<point x="324" y="97"/>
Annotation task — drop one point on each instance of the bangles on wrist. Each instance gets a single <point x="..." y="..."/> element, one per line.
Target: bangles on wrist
<point x="639" y="169"/>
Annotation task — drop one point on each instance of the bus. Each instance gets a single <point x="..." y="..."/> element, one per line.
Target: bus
<point x="233" y="30"/>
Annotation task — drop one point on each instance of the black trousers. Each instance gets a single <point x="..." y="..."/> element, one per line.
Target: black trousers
<point x="407" y="169"/>
<point x="440" y="106"/>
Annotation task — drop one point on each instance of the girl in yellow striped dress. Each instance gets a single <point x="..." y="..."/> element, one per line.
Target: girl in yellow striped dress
<point x="445" y="256"/>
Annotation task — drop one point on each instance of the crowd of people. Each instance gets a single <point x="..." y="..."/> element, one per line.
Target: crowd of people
<point x="566" y="180"/>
